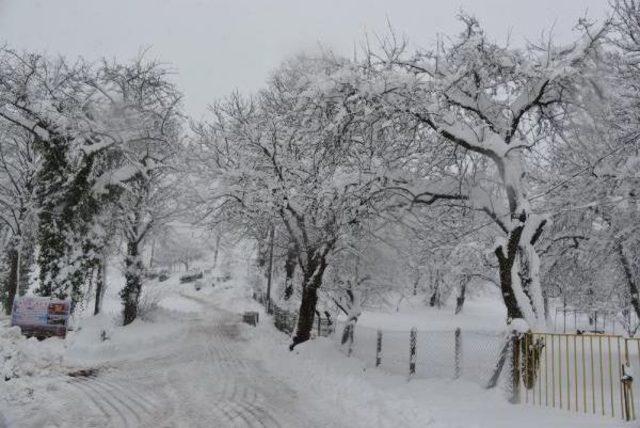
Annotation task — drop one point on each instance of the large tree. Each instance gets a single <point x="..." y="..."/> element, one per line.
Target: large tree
<point x="305" y="154"/>
<point x="492" y="104"/>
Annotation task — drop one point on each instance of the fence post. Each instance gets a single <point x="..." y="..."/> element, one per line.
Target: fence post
<point x="515" y="368"/>
<point x="458" y="354"/>
<point x="413" y="337"/>
<point x="379" y="349"/>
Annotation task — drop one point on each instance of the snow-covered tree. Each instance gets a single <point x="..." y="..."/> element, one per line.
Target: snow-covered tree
<point x="492" y="104"/>
<point x="18" y="166"/>
<point x="303" y="153"/>
<point x="145" y="105"/>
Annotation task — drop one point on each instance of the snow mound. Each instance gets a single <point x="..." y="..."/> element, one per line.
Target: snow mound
<point x="22" y="357"/>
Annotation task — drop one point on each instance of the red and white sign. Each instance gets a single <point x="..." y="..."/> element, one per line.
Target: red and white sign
<point x="41" y="316"/>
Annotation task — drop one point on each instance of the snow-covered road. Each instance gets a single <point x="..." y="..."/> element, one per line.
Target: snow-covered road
<point x="195" y="364"/>
<point x="201" y="377"/>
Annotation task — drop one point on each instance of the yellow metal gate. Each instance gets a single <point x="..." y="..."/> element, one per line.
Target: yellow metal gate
<point x="588" y="373"/>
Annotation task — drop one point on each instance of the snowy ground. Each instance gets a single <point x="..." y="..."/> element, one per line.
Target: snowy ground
<point x="193" y="363"/>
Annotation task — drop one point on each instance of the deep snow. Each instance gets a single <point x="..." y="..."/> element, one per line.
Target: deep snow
<point x="191" y="362"/>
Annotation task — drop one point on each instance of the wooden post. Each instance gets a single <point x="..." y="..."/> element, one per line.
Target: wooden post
<point x="379" y="349"/>
<point x="515" y="368"/>
<point x="458" y="354"/>
<point x="413" y="338"/>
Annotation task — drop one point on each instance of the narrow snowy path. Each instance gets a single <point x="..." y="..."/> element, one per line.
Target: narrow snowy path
<point x="201" y="377"/>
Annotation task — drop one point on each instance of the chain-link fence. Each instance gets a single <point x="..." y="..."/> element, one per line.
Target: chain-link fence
<point x="467" y="354"/>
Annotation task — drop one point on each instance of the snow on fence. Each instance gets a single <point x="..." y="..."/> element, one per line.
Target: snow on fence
<point x="586" y="373"/>
<point x="452" y="354"/>
<point x="572" y="320"/>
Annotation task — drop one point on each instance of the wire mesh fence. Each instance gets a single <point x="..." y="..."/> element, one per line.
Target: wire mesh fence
<point x="575" y="372"/>
<point x="447" y="354"/>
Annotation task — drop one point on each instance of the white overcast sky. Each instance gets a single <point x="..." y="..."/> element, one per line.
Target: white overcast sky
<point x="221" y="45"/>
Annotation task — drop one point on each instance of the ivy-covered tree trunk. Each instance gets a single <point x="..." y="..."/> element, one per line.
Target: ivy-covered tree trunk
<point x="289" y="269"/>
<point x="67" y="245"/>
<point x="312" y="281"/>
<point x="101" y="284"/>
<point x="130" y="294"/>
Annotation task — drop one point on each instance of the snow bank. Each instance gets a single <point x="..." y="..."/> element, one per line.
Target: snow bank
<point x="336" y="385"/>
<point x="361" y="396"/>
<point x="21" y="357"/>
<point x="358" y="395"/>
<point x="101" y="339"/>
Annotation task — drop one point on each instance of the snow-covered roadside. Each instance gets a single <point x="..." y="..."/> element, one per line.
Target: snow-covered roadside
<point x="337" y="386"/>
<point x="193" y="361"/>
<point x="362" y="396"/>
<point x="371" y="397"/>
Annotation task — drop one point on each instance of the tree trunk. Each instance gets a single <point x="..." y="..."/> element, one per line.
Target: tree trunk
<point x="434" y="300"/>
<point x="153" y="254"/>
<point x="461" y="297"/>
<point x="270" y="270"/>
<point x="12" y="280"/>
<point x="100" y="284"/>
<point x="290" y="268"/>
<point x="216" y="251"/>
<point x="133" y="282"/>
<point x="631" y="283"/>
<point x="312" y="281"/>
<point x="505" y="265"/>
<point x="502" y="357"/>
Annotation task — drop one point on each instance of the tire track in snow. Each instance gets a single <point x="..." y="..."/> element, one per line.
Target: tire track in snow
<point x="120" y="405"/>
<point x="201" y="377"/>
<point x="106" y="408"/>
<point x="243" y="397"/>
<point x="114" y="400"/>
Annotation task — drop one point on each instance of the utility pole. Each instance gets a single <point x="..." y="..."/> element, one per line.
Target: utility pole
<point x="270" y="270"/>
